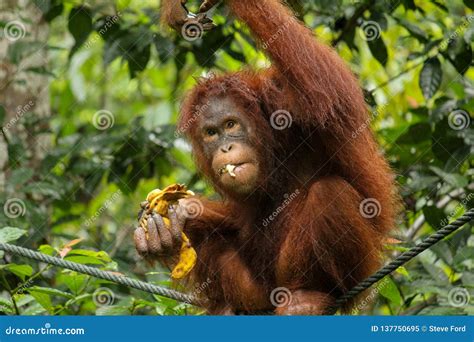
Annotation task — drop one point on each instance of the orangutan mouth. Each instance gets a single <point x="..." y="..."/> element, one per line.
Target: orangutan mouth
<point x="230" y="169"/>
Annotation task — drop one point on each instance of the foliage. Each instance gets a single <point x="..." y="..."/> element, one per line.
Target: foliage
<point x="116" y="79"/>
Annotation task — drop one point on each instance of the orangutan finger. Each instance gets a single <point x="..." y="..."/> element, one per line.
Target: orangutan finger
<point x="154" y="244"/>
<point x="164" y="233"/>
<point x="139" y="236"/>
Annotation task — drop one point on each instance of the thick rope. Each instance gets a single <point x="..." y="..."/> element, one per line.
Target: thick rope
<point x="182" y="297"/>
<point x="92" y="271"/>
<point x="404" y="257"/>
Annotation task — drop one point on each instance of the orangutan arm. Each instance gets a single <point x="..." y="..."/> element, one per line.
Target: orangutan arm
<point x="325" y="89"/>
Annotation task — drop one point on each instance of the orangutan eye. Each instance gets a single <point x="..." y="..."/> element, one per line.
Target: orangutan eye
<point x="210" y="132"/>
<point x="230" y="124"/>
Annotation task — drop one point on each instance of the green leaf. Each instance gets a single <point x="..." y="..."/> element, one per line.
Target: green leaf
<point x="50" y="291"/>
<point x="108" y="26"/>
<point x="34" y="309"/>
<point x="445" y="144"/>
<point x="9" y="234"/>
<point x="21" y="271"/>
<point x="23" y="299"/>
<point x="138" y="60"/>
<point x="430" y="77"/>
<point x="84" y="260"/>
<point x="439" y="278"/>
<point x="462" y="153"/>
<point x="440" y="6"/>
<point x="163" y="46"/>
<point x="112" y="310"/>
<point x="417" y="133"/>
<point x="47" y="249"/>
<point x="463" y="57"/>
<point x="80" y="26"/>
<point x="379" y="50"/>
<point x="403" y="271"/>
<point x="454" y="179"/>
<point x="43" y="299"/>
<point x="469" y="3"/>
<point x="409" y="5"/>
<point x="389" y="290"/>
<point x="20" y="176"/>
<point x="53" y="12"/>
<point x="414" y="30"/>
<point x="467" y="252"/>
<point x="101" y="255"/>
<point x="43" y="188"/>
<point x="112" y="50"/>
<point x="50" y="8"/>
<point x="434" y="216"/>
<point x="6" y="306"/>
<point x="74" y="281"/>
<point x="238" y="56"/>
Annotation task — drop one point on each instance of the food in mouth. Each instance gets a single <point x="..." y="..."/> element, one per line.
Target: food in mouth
<point x="228" y="168"/>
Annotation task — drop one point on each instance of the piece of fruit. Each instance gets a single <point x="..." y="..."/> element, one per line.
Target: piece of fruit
<point x="187" y="260"/>
<point x="230" y="169"/>
<point x="159" y="202"/>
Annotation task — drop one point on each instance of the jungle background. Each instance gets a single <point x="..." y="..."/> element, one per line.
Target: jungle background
<point x="89" y="98"/>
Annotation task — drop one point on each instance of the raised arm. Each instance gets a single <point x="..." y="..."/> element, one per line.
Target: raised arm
<point x="325" y="88"/>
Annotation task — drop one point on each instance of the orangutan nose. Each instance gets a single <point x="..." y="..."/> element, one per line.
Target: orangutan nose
<point x="226" y="148"/>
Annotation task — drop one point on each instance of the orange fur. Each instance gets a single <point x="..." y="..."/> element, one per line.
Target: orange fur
<point x="319" y="246"/>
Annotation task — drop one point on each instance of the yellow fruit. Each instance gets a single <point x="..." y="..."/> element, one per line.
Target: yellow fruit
<point x="187" y="260"/>
<point x="159" y="201"/>
<point x="153" y="194"/>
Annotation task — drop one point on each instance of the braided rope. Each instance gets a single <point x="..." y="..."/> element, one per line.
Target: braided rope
<point x="404" y="257"/>
<point x="182" y="297"/>
<point x="92" y="271"/>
